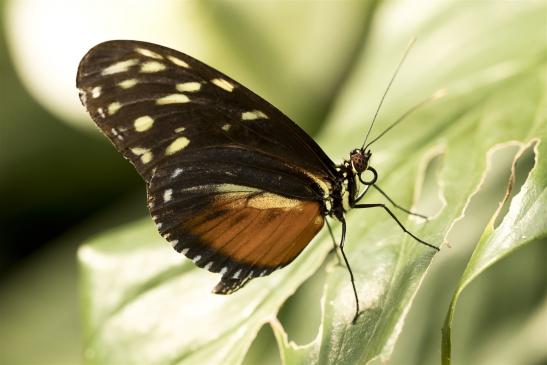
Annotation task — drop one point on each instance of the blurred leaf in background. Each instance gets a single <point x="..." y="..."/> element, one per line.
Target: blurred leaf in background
<point x="328" y="61"/>
<point x="48" y="185"/>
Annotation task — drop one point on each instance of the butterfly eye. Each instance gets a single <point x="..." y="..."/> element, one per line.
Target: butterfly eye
<point x="359" y="161"/>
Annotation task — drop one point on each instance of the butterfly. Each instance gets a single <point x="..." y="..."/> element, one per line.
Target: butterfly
<point x="232" y="183"/>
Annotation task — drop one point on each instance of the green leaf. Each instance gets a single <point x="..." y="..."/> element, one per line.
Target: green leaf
<point x="484" y="108"/>
<point x="523" y="224"/>
<point x="143" y="304"/>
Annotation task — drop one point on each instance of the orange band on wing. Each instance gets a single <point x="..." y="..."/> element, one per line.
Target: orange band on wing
<point x="259" y="229"/>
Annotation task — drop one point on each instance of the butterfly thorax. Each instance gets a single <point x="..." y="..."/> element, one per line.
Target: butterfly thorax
<point x="345" y="189"/>
<point x="343" y="192"/>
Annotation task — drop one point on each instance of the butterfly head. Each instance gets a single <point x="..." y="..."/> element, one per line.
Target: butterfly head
<point x="359" y="159"/>
<point x="360" y="162"/>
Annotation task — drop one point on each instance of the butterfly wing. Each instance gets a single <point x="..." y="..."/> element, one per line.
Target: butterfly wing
<point x="214" y="156"/>
<point x="152" y="101"/>
<point x="220" y="208"/>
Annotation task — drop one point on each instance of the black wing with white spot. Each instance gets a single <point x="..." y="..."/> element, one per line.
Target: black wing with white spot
<point x="153" y="102"/>
<point x="232" y="182"/>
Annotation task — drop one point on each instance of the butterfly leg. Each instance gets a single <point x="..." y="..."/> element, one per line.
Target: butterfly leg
<point x="397" y="205"/>
<point x="342" y="241"/>
<point x="334" y="244"/>
<point x="398" y="222"/>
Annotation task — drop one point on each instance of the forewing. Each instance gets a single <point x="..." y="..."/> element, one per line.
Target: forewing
<point x="153" y="102"/>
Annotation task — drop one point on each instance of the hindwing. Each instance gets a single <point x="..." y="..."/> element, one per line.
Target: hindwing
<point x="240" y="213"/>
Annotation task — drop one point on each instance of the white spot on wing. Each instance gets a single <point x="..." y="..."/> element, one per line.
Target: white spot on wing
<point x="252" y="115"/>
<point x="223" y="270"/>
<point x="127" y="84"/>
<point x="122" y="66"/>
<point x="148" y="53"/>
<point x="208" y="266"/>
<point x="223" y="84"/>
<point x="226" y="127"/>
<point x="114" y="107"/>
<point x="173" y="99"/>
<point x="146" y="157"/>
<point x="230" y="188"/>
<point x="176" y="173"/>
<point x="237" y="274"/>
<point x="144" y="153"/>
<point x="180" y="129"/>
<point x="189" y="86"/>
<point x="101" y="112"/>
<point x="138" y="150"/>
<point x="167" y="195"/>
<point x="178" y="62"/>
<point x="96" y="92"/>
<point x="197" y="258"/>
<point x="177" y="145"/>
<point x="152" y="66"/>
<point x="143" y="123"/>
<point x="83" y="97"/>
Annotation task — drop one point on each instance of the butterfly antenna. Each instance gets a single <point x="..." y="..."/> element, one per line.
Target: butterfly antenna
<point x="438" y="94"/>
<point x="408" y="48"/>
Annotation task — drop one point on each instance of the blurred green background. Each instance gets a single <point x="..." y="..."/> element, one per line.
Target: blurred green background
<point x="62" y="183"/>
